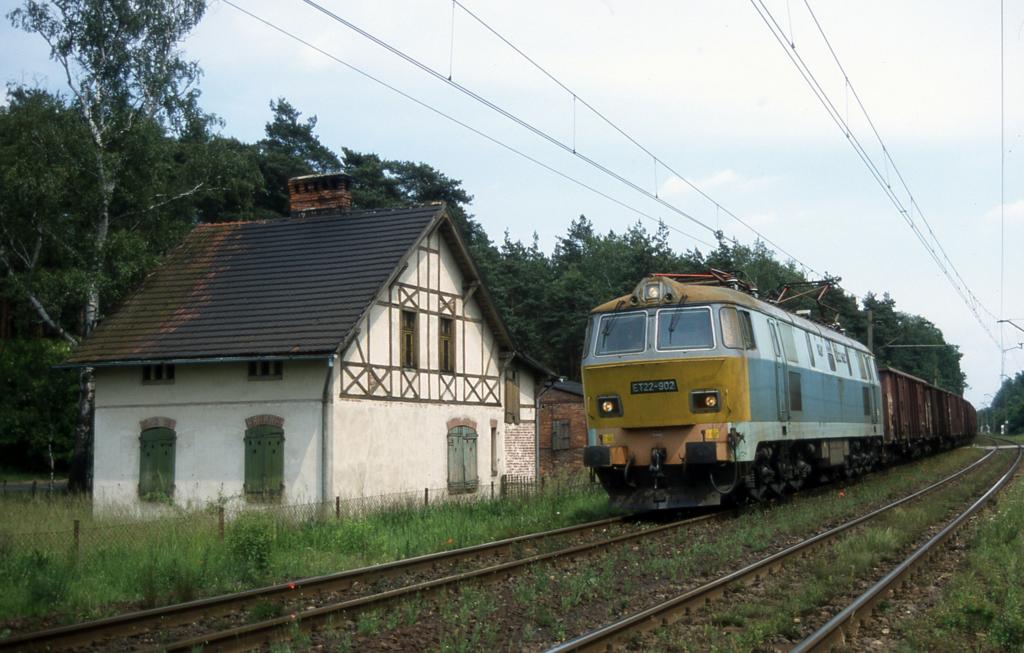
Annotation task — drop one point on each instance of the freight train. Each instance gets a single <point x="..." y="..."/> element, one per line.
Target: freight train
<point x="700" y="394"/>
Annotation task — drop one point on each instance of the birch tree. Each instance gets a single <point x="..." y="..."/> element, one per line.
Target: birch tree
<point x="126" y="80"/>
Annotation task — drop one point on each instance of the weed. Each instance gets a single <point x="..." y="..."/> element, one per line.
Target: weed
<point x="249" y="539"/>
<point x="265" y="610"/>
<point x="369" y="622"/>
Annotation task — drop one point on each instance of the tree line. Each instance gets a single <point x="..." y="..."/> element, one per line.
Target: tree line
<point x="98" y="181"/>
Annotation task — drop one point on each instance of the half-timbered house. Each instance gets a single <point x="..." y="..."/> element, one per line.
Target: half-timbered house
<point x="335" y="353"/>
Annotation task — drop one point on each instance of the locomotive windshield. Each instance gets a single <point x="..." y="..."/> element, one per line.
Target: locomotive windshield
<point x="622" y="333"/>
<point x="685" y="328"/>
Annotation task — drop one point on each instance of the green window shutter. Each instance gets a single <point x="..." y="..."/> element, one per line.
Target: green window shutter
<point x="469" y="458"/>
<point x="462" y="459"/>
<point x="456" y="476"/>
<point x="156" y="463"/>
<point x="264" y="462"/>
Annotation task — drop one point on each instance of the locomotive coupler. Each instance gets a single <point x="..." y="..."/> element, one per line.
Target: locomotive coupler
<point x="658" y="456"/>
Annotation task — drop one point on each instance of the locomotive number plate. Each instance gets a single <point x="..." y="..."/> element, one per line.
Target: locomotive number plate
<point x="644" y="387"/>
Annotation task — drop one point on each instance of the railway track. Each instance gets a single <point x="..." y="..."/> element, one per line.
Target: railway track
<point x="678" y="607"/>
<point x="263" y="633"/>
<point x="136" y="624"/>
<point x="845" y="623"/>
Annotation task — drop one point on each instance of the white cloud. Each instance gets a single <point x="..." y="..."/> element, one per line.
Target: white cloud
<point x="1014" y="212"/>
<point x="728" y="179"/>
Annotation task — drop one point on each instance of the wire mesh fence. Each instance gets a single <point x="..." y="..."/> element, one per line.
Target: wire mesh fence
<point x="63" y="524"/>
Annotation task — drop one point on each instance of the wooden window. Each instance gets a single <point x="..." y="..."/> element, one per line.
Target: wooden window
<point x="265" y="370"/>
<point x="512" y="415"/>
<point x="158" y="373"/>
<point x="747" y="328"/>
<point x="796" y="395"/>
<point x="446" y="344"/>
<point x="462" y="459"/>
<point x="560" y="434"/>
<point x="156" y="463"/>
<point x="409" y="353"/>
<point x="264" y="462"/>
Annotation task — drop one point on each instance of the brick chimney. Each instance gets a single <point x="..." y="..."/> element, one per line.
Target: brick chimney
<point x="320" y="193"/>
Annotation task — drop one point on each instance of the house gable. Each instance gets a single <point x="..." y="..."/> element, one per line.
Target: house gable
<point x="432" y="287"/>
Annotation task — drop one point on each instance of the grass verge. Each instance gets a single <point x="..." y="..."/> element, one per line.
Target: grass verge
<point x="181" y="557"/>
<point x="773" y="616"/>
<point x="982" y="608"/>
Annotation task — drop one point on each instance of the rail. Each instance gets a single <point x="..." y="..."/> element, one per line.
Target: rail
<point x="673" y="609"/>
<point x="847" y="620"/>
<point x="171" y="615"/>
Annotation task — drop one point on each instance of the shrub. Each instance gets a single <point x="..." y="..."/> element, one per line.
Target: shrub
<point x="250" y="538"/>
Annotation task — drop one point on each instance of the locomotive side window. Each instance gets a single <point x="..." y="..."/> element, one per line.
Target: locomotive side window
<point x="796" y="396"/>
<point x="685" y="328"/>
<point x="829" y="345"/>
<point x="731" y="335"/>
<point x="747" y="327"/>
<point x="862" y="364"/>
<point x="622" y="333"/>
<point x="789" y="343"/>
<point x="810" y="349"/>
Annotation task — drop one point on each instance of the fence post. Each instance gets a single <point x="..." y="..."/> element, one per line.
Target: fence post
<point x="492" y="490"/>
<point x="78" y="538"/>
<point x="501" y="485"/>
<point x="220" y="522"/>
<point x="337" y="507"/>
<point x="426" y="496"/>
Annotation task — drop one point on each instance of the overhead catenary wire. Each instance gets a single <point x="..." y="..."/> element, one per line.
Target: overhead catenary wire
<point x="465" y="125"/>
<point x="822" y="96"/>
<point x="888" y="159"/>
<point x="629" y="137"/>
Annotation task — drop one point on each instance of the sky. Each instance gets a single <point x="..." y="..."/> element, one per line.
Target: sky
<point x="704" y="87"/>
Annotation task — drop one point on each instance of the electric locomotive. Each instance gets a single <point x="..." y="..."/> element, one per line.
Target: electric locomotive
<point x="700" y="393"/>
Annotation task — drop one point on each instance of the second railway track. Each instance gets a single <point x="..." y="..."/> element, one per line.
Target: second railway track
<point x="684" y="604"/>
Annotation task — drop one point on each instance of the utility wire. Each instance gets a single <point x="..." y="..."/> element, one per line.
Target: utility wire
<point x="627" y="136"/>
<point x="508" y="114"/>
<point x="888" y="160"/>
<point x="1002" y="195"/>
<point x="879" y="176"/>
<point x="467" y="126"/>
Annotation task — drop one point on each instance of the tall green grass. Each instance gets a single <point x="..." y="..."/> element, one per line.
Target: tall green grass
<point x="982" y="609"/>
<point x="180" y="556"/>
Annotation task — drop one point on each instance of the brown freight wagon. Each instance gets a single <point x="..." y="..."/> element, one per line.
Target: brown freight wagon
<point x="920" y="417"/>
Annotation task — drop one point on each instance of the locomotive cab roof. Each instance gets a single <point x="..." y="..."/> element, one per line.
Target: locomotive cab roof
<point x="662" y="291"/>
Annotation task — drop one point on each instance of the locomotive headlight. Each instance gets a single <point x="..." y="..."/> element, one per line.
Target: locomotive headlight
<point x="705" y="401"/>
<point x="652" y="292"/>
<point x="609" y="406"/>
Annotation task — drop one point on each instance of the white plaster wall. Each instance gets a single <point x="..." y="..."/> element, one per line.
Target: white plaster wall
<point x="209" y="404"/>
<point x="387" y="447"/>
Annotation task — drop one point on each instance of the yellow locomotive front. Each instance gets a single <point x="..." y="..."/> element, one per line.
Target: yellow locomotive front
<point x="665" y="378"/>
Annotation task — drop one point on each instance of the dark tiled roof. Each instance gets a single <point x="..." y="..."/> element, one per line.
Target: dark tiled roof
<point x="285" y="287"/>
<point x="572" y="387"/>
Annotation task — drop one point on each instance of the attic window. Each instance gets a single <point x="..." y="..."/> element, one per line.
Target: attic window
<point x="265" y="370"/>
<point x="159" y="373"/>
